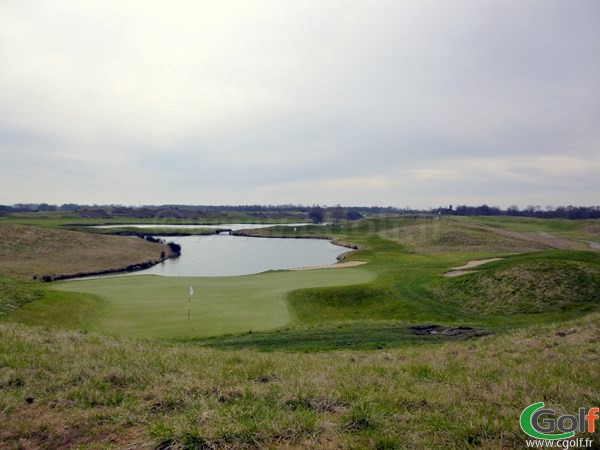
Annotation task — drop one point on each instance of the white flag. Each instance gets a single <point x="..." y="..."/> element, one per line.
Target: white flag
<point x="191" y="291"/>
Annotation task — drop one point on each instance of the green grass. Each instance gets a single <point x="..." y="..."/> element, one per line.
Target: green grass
<point x="153" y="306"/>
<point x="529" y="224"/>
<point x="360" y="375"/>
<point x="395" y="286"/>
<point x="449" y="236"/>
<point x="60" y="309"/>
<point x="531" y="284"/>
<point x="95" y="392"/>
<point x="374" y="335"/>
<point x="578" y="230"/>
<point x="14" y="294"/>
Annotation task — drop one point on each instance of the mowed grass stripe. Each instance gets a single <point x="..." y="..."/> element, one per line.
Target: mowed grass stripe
<point x="154" y="306"/>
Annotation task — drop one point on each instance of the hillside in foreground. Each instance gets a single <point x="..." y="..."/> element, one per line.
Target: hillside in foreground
<point x="65" y="389"/>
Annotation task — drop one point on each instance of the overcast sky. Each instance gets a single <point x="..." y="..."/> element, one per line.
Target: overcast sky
<point x="420" y="103"/>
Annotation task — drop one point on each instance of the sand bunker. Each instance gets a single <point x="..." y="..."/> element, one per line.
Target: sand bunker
<point x="594" y="245"/>
<point x="457" y="271"/>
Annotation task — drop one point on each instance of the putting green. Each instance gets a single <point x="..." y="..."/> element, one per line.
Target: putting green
<point x="154" y="306"/>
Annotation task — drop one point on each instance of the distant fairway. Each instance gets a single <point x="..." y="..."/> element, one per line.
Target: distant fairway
<point x="153" y="306"/>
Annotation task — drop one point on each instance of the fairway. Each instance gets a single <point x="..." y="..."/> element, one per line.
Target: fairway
<point x="154" y="306"/>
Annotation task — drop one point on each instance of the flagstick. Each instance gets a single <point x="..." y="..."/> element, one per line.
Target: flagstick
<point x="190" y="301"/>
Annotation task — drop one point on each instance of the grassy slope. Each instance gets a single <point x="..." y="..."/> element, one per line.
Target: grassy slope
<point x="579" y="230"/>
<point x="552" y="282"/>
<point x="27" y="251"/>
<point x="15" y="294"/>
<point x="530" y="224"/>
<point x="63" y="218"/>
<point x="442" y="237"/>
<point x="96" y="392"/>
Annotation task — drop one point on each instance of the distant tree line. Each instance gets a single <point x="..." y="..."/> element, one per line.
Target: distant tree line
<point x="315" y="213"/>
<point x="548" y="212"/>
<point x="122" y="209"/>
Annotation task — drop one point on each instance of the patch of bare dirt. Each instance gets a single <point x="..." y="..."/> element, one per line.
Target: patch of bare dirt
<point x="38" y="426"/>
<point x="448" y="332"/>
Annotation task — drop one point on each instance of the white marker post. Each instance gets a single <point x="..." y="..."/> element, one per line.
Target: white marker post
<point x="190" y="301"/>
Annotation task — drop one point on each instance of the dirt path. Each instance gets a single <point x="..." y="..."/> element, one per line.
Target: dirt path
<point x="457" y="271"/>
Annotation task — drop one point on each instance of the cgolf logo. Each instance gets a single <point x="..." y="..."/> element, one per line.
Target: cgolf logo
<point x="538" y="422"/>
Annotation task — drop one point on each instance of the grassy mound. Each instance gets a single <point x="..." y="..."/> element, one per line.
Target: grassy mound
<point x="440" y="237"/>
<point x="13" y="295"/>
<point x="526" y="287"/>
<point x="311" y="306"/>
<point x="27" y="252"/>
<point x="65" y="389"/>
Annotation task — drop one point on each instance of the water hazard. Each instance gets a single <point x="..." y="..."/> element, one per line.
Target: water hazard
<point x="227" y="255"/>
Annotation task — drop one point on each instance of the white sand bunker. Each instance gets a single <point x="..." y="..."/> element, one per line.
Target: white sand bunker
<point x="461" y="270"/>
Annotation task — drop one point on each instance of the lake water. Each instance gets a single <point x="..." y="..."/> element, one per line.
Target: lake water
<point x="225" y="255"/>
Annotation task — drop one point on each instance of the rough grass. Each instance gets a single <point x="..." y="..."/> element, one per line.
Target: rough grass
<point x="13" y="295"/>
<point x="530" y="224"/>
<point x="27" y="251"/>
<point x="567" y="234"/>
<point x="592" y="230"/>
<point x="65" y="218"/>
<point x="64" y="389"/>
<point x="351" y="335"/>
<point x="531" y="286"/>
<point x="445" y="236"/>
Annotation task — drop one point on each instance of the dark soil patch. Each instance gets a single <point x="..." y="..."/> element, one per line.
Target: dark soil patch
<point x="447" y="332"/>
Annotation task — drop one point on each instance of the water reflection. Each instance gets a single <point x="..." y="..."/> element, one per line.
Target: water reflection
<point x="226" y="255"/>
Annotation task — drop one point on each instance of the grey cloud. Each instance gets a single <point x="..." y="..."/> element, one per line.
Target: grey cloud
<point x="344" y="101"/>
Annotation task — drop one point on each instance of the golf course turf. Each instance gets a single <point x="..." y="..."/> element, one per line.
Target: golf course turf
<point x="154" y="306"/>
<point x="389" y="354"/>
